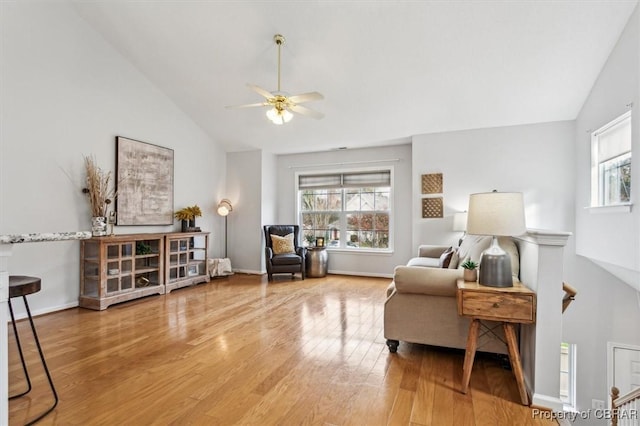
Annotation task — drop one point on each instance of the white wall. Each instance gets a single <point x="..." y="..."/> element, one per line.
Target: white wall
<point x="536" y="160"/>
<point x="341" y="261"/>
<point x="606" y="309"/>
<point x="244" y="190"/>
<point x="67" y="93"/>
<point x="613" y="238"/>
<point x="269" y="194"/>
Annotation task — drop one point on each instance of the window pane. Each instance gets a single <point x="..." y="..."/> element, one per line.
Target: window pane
<point x="353" y="221"/>
<point x="382" y="199"/>
<point x="616" y="180"/>
<point x="352" y="239"/>
<point x="367" y="201"/>
<point x="333" y="237"/>
<point x="307" y="220"/>
<point x="352" y="202"/>
<point x="334" y="201"/>
<point x="306" y="201"/>
<point x="382" y="222"/>
<point x="381" y="240"/>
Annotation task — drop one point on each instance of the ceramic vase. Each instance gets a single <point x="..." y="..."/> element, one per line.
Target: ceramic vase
<point x="99" y="226"/>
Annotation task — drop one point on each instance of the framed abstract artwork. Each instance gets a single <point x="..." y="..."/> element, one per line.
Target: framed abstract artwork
<point x="144" y="176"/>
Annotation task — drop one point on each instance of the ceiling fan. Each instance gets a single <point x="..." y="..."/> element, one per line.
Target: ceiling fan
<point x="282" y="105"/>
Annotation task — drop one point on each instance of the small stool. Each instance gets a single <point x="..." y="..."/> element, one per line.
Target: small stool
<point x="21" y="286"/>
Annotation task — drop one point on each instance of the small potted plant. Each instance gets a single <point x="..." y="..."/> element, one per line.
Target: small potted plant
<point x="470" y="270"/>
<point x="188" y="217"/>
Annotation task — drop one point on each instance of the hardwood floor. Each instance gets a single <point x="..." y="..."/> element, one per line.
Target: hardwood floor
<point x="241" y="351"/>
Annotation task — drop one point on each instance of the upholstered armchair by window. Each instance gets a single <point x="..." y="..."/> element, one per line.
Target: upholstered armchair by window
<point x="283" y="253"/>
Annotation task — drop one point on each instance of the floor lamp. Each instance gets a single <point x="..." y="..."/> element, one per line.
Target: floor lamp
<point x="224" y="208"/>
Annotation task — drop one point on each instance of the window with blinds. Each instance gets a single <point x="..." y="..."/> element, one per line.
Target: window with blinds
<point x="349" y="210"/>
<point x="611" y="163"/>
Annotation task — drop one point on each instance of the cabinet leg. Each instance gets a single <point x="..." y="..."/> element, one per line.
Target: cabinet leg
<point x="470" y="354"/>
<point x="516" y="364"/>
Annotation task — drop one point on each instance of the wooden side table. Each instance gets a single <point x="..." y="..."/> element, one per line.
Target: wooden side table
<point x="510" y="305"/>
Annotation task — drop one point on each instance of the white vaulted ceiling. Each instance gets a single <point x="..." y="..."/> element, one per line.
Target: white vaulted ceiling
<point x="387" y="69"/>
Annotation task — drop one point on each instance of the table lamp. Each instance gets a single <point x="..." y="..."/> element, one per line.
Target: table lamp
<point x="496" y="214"/>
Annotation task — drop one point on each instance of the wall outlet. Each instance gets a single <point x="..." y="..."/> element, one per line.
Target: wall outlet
<point x="597" y="404"/>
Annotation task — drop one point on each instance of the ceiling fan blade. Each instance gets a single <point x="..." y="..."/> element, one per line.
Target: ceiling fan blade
<point x="259" y="104"/>
<point x="306" y="111"/>
<point x="261" y="91"/>
<point x="306" y="97"/>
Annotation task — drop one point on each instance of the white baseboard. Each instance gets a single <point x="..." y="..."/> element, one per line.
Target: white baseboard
<point x="249" y="271"/>
<point x="546" y="401"/>
<point x="48" y="310"/>
<point x="330" y="271"/>
<point x="360" y="274"/>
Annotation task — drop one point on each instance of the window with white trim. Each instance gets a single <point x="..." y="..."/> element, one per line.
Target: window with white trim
<point x="350" y="210"/>
<point x="611" y="163"/>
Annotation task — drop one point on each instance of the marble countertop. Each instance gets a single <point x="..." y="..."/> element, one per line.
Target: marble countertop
<point x="44" y="236"/>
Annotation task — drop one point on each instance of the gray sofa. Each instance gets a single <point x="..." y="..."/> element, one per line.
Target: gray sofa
<point x="421" y="305"/>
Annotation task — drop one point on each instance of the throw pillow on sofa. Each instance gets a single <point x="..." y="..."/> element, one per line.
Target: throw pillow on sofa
<point x="445" y="258"/>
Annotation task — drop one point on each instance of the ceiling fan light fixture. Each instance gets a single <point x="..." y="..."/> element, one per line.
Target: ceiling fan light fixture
<point x="279" y="116"/>
<point x="283" y="105"/>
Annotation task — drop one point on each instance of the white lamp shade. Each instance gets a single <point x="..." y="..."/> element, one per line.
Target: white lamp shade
<point x="460" y="221"/>
<point x="224" y="207"/>
<point x="496" y="213"/>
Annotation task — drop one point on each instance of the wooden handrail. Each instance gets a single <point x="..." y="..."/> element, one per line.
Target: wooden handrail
<point x="569" y="296"/>
<point x="618" y="401"/>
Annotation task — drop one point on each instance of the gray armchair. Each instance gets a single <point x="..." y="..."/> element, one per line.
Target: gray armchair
<point x="284" y="262"/>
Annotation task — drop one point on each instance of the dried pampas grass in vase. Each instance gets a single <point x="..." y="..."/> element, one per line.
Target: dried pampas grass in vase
<point x="101" y="193"/>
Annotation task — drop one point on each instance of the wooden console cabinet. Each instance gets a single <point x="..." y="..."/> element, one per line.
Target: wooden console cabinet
<point x="186" y="259"/>
<point x="120" y="268"/>
<point x="124" y="267"/>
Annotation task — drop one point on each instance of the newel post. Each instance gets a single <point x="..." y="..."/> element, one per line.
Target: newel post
<point x="541" y="269"/>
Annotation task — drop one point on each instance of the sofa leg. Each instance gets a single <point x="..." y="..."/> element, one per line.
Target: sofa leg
<point x="393" y="345"/>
